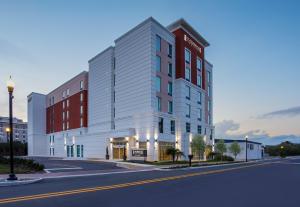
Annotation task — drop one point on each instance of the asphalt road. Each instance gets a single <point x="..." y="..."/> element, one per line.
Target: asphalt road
<point x="60" y="165"/>
<point x="265" y="184"/>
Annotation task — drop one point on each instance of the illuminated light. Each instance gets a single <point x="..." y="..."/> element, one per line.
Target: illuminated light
<point x="7" y="129"/>
<point x="127" y="138"/>
<point x="10" y="85"/>
<point x="73" y="140"/>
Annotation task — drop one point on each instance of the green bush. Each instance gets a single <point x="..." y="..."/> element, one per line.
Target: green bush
<point x="23" y="163"/>
<point x="219" y="157"/>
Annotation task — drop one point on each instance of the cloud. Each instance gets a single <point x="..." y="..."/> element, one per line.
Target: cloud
<point x="229" y="129"/>
<point x="295" y="111"/>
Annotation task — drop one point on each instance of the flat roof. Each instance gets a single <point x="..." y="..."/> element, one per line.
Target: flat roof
<point x="237" y="140"/>
<point x="181" y="23"/>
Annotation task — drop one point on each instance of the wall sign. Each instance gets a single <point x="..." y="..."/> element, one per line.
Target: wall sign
<point x="139" y="153"/>
<point x="192" y="43"/>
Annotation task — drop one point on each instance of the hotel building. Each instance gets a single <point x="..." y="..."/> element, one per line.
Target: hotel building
<point x="150" y="91"/>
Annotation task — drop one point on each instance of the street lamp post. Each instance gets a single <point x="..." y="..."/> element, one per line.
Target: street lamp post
<point x="246" y="148"/>
<point x="10" y="88"/>
<point x="7" y="134"/>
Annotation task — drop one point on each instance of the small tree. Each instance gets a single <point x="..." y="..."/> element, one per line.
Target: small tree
<point x="179" y="154"/>
<point x="235" y="149"/>
<point x="172" y="151"/>
<point x="221" y="147"/>
<point x="198" y="145"/>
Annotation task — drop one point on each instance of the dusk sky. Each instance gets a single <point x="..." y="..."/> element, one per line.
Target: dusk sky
<point x="255" y="50"/>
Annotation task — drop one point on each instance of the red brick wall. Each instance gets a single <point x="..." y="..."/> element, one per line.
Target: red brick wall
<point x="54" y="113"/>
<point x="181" y="44"/>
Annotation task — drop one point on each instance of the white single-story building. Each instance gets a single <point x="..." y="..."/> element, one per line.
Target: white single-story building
<point x="254" y="150"/>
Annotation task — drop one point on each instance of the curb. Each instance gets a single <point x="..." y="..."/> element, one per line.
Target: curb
<point x="23" y="181"/>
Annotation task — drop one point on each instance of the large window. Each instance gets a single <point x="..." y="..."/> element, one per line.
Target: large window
<point x="172" y="123"/>
<point x="170" y="107"/>
<point x="158" y="63"/>
<point x="158" y="83"/>
<point x="199" y="97"/>
<point x="188" y="92"/>
<point x="170" y="50"/>
<point x="187" y="73"/>
<point x="170" y="89"/>
<point x="199" y="114"/>
<point x="170" y="70"/>
<point x="158" y="43"/>
<point x="81" y="85"/>
<point x="199" y="63"/>
<point x="208" y="77"/>
<point x="188" y="127"/>
<point x="161" y="125"/>
<point x="199" y="129"/>
<point x="187" y="56"/>
<point x="158" y="102"/>
<point x="208" y="90"/>
<point x="199" y="79"/>
<point x="188" y="110"/>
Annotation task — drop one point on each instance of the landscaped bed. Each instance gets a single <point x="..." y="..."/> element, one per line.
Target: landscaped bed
<point x="20" y="166"/>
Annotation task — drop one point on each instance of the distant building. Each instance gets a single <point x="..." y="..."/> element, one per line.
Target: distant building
<point x="254" y="152"/>
<point x="19" y="127"/>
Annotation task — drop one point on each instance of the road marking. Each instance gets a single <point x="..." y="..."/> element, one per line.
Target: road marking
<point x="123" y="185"/>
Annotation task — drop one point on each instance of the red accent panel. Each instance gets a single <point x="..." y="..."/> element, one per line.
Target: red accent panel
<point x="54" y="117"/>
<point x="181" y="44"/>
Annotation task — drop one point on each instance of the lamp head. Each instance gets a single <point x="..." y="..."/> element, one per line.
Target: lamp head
<point x="246" y="137"/>
<point x="7" y="129"/>
<point x="10" y="85"/>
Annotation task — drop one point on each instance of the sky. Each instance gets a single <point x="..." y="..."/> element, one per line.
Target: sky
<point x="254" y="49"/>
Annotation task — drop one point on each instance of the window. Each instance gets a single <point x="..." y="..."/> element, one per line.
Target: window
<point x="63" y="116"/>
<point x="67" y="125"/>
<point x="199" y="129"/>
<point x="68" y="103"/>
<point x="81" y="122"/>
<point x="81" y="85"/>
<point x="188" y="110"/>
<point x="187" y="73"/>
<point x="208" y="106"/>
<point x="158" y="84"/>
<point x="158" y="43"/>
<point x="199" y="79"/>
<point x="170" y="70"/>
<point x="63" y="126"/>
<point x="81" y="110"/>
<point x="199" y="97"/>
<point x="81" y="150"/>
<point x="170" y="107"/>
<point x="67" y="114"/>
<point x="199" y="114"/>
<point x="81" y="97"/>
<point x="161" y="125"/>
<point x="68" y="92"/>
<point x="158" y="63"/>
<point x="208" y="90"/>
<point x="170" y="50"/>
<point x="172" y="126"/>
<point x="52" y="100"/>
<point x="170" y="88"/>
<point x="63" y="105"/>
<point x="187" y="56"/>
<point x="78" y="150"/>
<point x="208" y="77"/>
<point x="64" y="94"/>
<point x="188" y="127"/>
<point x="188" y="92"/>
<point x="199" y="63"/>
<point x="158" y="103"/>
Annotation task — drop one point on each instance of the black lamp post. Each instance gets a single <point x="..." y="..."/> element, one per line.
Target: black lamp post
<point x="246" y="148"/>
<point x="10" y="88"/>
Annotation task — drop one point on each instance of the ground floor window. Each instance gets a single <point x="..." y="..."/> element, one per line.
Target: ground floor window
<point x="162" y="150"/>
<point x="70" y="151"/>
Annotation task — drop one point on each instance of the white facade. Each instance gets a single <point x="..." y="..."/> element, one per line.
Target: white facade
<point x="254" y="151"/>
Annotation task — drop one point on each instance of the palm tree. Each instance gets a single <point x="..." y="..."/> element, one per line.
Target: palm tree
<point x="175" y="153"/>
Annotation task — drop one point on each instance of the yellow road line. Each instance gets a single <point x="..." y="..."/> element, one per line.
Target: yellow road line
<point x="101" y="188"/>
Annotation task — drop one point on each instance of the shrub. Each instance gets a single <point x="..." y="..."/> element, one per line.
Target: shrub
<point x="219" y="157"/>
<point x="23" y="163"/>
